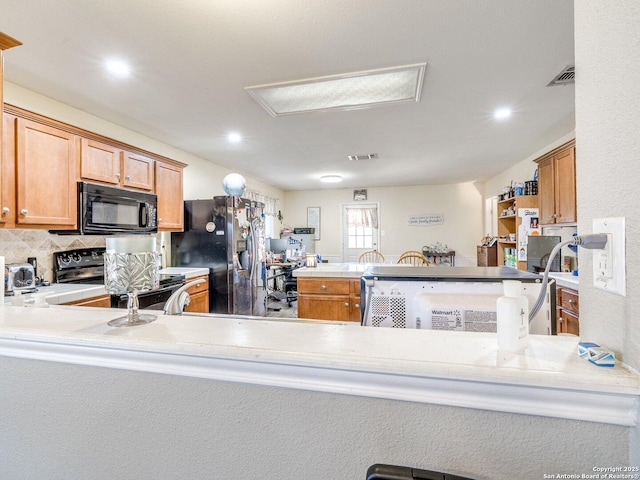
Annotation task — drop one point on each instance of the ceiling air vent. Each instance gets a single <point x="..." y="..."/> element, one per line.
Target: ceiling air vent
<point x="565" y="77"/>
<point x="368" y="156"/>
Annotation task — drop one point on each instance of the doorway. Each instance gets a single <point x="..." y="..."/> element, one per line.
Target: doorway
<point x="360" y="229"/>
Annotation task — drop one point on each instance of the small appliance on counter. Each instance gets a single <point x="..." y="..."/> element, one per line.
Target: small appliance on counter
<point x="445" y="298"/>
<point x="20" y="277"/>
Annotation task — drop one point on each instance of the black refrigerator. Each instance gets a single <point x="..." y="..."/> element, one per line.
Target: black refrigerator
<point x="226" y="235"/>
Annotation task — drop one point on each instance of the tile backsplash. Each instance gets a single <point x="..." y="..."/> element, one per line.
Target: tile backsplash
<point x="16" y="245"/>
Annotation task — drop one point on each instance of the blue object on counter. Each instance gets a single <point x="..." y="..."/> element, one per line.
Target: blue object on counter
<point x="574" y="248"/>
<point x="575" y="273"/>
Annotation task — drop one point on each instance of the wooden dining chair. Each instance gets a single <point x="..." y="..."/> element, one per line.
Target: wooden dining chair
<point x="372" y="256"/>
<point x="413" y="257"/>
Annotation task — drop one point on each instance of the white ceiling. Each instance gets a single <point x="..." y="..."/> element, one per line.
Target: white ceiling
<point x="192" y="59"/>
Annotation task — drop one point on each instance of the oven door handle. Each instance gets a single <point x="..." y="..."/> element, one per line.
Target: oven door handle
<point x="158" y="291"/>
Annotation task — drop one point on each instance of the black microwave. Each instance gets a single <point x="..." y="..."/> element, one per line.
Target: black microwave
<point x="104" y="210"/>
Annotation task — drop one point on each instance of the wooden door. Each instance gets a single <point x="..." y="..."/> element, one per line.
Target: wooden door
<point x="565" y="186"/>
<point x="360" y="230"/>
<point x="137" y="171"/>
<point x="169" y="188"/>
<point x="99" y="162"/>
<point x="8" y="173"/>
<point x="47" y="160"/>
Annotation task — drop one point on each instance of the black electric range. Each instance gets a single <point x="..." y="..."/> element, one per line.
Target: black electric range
<point x="86" y="266"/>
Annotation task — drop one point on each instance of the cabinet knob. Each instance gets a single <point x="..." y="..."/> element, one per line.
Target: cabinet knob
<point x="24" y="211"/>
<point x="346" y="304"/>
<point x="324" y="287"/>
<point x="127" y="177"/>
<point x="5" y="210"/>
<point x="570" y="300"/>
<point x="118" y="176"/>
<point x="159" y="220"/>
<point x="357" y="305"/>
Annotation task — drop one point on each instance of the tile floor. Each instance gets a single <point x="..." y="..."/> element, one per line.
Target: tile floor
<point x="282" y="309"/>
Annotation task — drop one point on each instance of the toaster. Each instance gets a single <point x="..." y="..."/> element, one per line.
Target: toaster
<point x="19" y="276"/>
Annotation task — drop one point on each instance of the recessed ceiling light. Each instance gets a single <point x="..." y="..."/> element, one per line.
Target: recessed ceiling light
<point x="502" y="113"/>
<point x="234" y="137"/>
<point x="118" y="68"/>
<point x="342" y="92"/>
<point x="331" y="178"/>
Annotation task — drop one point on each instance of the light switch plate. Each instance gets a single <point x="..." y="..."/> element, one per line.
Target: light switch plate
<point x="609" y="271"/>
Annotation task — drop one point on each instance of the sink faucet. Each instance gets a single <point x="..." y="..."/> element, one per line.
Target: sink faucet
<point x="178" y="299"/>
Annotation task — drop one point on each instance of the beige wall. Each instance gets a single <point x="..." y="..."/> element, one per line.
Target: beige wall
<point x="461" y="205"/>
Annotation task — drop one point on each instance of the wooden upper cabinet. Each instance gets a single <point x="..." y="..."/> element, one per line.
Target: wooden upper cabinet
<point x="557" y="185"/>
<point x="169" y="189"/>
<point x="100" y="162"/>
<point x="7" y="178"/>
<point x="104" y="163"/>
<point x="137" y="171"/>
<point x="46" y="169"/>
<point x="8" y="173"/>
<point x="42" y="160"/>
<point x="565" y="181"/>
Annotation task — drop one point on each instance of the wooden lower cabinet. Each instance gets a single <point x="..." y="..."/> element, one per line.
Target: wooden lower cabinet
<point x="99" y="301"/>
<point x="329" y="298"/>
<point x="199" y="294"/>
<point x="487" y="256"/>
<point x="567" y="311"/>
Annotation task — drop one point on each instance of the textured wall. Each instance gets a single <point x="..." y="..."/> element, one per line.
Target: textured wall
<point x="64" y="422"/>
<point x="608" y="151"/>
<point x="16" y="245"/>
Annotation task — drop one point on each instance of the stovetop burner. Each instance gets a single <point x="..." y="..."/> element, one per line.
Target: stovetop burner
<point x="86" y="265"/>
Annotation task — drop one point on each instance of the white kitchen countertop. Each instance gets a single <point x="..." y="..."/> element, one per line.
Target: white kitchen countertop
<point x="59" y="293"/>
<point x="568" y="280"/>
<point x="449" y="368"/>
<point x="187" y="272"/>
<point x="352" y="270"/>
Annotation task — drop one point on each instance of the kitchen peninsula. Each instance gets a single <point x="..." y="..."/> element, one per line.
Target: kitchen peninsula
<point x="220" y="384"/>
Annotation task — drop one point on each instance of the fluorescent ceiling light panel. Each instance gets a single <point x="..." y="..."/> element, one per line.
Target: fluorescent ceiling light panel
<point x="342" y="92"/>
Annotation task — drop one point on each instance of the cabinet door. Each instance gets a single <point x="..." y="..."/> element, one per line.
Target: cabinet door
<point x="47" y="160"/>
<point x="199" y="303"/>
<point x="571" y="322"/>
<point x="137" y="171"/>
<point x="103" y="301"/>
<point x="8" y="173"/>
<point x="169" y="189"/>
<point x="99" y="162"/>
<point x="565" y="186"/>
<point x="199" y="294"/>
<point x="324" y="307"/>
<point x="546" y="189"/>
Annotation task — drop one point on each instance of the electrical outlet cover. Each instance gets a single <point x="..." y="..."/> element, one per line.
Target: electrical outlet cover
<point x="609" y="272"/>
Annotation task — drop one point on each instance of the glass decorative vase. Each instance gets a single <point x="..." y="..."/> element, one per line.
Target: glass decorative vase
<point x="131" y="273"/>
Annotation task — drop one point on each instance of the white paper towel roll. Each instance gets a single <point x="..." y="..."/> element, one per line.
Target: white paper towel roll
<point x="131" y="244"/>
